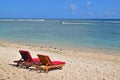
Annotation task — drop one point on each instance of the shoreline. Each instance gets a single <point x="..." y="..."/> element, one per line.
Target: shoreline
<point x="57" y="48"/>
<point x="86" y="53"/>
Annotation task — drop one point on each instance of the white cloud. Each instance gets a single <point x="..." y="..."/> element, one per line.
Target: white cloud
<point x="89" y="11"/>
<point x="110" y="13"/>
<point x="88" y="3"/>
<point x="73" y="7"/>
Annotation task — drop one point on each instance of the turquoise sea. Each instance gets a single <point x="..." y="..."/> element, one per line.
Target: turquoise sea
<point x="95" y="33"/>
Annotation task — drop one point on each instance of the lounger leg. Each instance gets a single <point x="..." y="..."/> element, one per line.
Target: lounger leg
<point x="36" y="67"/>
<point x="46" y="69"/>
<point x="18" y="63"/>
<point x="60" y="68"/>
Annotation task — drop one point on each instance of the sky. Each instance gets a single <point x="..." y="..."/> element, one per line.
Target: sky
<point x="73" y="9"/>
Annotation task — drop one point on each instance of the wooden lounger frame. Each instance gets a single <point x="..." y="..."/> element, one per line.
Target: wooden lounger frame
<point x="46" y="63"/>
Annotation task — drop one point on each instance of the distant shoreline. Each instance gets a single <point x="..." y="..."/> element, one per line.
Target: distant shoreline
<point x="63" y="18"/>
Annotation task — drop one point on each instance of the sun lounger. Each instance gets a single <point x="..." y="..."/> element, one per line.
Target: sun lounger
<point x="46" y="63"/>
<point x="26" y="61"/>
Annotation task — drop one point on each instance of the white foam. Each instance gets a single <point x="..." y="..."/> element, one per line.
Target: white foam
<point x="74" y="23"/>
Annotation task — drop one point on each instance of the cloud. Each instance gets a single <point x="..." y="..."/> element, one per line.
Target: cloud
<point x="91" y="13"/>
<point x="88" y="3"/>
<point x="73" y="7"/>
<point x="110" y="13"/>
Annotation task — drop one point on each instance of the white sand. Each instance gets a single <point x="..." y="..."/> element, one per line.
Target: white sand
<point x="79" y="65"/>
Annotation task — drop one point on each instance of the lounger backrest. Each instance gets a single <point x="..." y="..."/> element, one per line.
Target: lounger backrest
<point x="44" y="59"/>
<point x="25" y="55"/>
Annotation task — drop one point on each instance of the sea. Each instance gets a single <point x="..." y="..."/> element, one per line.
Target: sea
<point x="101" y="34"/>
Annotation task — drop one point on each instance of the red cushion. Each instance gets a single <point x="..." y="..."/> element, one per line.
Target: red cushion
<point x="36" y="59"/>
<point x="57" y="62"/>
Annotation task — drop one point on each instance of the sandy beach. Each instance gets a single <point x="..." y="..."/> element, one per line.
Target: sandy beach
<point x="80" y="65"/>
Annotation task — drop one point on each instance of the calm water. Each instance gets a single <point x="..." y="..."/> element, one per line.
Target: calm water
<point x="99" y="34"/>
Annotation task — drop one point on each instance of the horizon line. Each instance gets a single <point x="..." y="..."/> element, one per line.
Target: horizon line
<point x="64" y="18"/>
